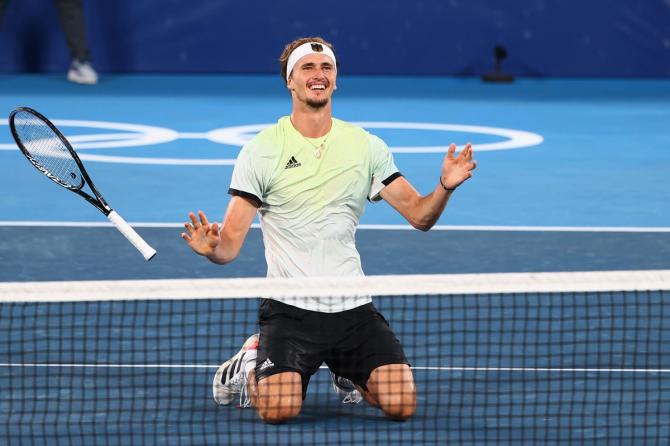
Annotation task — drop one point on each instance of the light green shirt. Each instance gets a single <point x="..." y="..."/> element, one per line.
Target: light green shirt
<point x="311" y="194"/>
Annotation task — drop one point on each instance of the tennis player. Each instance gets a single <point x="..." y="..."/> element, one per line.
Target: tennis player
<point x="308" y="178"/>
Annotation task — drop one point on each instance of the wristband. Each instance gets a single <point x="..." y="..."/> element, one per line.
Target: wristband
<point x="445" y="187"/>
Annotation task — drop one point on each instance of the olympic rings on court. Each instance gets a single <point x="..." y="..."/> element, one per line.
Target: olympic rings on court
<point x="138" y="135"/>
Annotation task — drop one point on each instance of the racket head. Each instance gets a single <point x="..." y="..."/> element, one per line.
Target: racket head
<point x="46" y="148"/>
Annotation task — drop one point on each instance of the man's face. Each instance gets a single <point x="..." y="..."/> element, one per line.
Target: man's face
<point x="313" y="80"/>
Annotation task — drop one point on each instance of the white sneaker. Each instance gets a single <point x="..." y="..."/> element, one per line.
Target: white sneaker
<point x="230" y="379"/>
<point x="346" y="389"/>
<point x="81" y="72"/>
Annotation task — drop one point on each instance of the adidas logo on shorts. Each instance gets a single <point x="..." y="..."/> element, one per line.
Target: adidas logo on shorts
<point x="267" y="363"/>
<point x="292" y="163"/>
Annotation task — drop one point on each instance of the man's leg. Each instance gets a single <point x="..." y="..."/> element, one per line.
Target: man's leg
<point x="370" y="357"/>
<point x="277" y="398"/>
<point x="71" y="15"/>
<point x="3" y="5"/>
<point x="289" y="352"/>
<point x="391" y="388"/>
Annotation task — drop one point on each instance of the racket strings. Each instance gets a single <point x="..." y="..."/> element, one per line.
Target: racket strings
<point x="47" y="152"/>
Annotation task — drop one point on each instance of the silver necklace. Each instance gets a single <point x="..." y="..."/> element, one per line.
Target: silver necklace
<point x="318" y="150"/>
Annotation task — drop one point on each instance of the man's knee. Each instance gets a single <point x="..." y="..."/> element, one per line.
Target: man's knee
<point x="279" y="397"/>
<point x="275" y="414"/>
<point x="394" y="391"/>
<point x="398" y="406"/>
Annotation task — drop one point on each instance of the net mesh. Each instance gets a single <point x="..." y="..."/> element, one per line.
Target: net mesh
<point x="132" y="362"/>
<point x="46" y="150"/>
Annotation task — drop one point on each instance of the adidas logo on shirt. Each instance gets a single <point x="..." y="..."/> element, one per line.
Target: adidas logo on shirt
<point x="267" y="363"/>
<point x="292" y="163"/>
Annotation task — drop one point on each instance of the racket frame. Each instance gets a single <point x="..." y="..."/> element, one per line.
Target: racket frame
<point x="97" y="200"/>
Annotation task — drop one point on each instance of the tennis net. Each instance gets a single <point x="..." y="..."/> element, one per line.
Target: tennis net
<point x="544" y="358"/>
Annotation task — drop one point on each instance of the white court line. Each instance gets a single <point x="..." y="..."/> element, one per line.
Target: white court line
<point x="192" y="135"/>
<point x="456" y="369"/>
<point x="378" y="227"/>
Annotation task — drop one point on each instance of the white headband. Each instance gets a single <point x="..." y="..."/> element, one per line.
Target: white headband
<point x="305" y="49"/>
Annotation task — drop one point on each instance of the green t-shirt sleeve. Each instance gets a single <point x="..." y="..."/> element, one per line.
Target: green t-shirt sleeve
<point x="384" y="170"/>
<point x="251" y="174"/>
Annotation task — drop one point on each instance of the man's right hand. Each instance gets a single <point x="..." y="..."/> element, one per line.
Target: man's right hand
<point x="202" y="237"/>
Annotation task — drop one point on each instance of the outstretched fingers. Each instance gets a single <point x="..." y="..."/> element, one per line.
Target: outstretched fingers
<point x="190" y="225"/>
<point x="451" y="150"/>
<point x="194" y="225"/>
<point x="203" y="218"/>
<point x="466" y="157"/>
<point x="214" y="231"/>
<point x="189" y="232"/>
<point x="457" y="169"/>
<point x="466" y="153"/>
<point x="194" y="220"/>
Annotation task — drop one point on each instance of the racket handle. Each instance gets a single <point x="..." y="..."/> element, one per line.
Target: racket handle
<point x="133" y="237"/>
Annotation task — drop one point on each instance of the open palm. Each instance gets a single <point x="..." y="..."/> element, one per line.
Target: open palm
<point x="457" y="169"/>
<point x="202" y="236"/>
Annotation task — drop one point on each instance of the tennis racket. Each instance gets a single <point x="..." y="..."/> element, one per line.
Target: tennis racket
<point x="48" y="150"/>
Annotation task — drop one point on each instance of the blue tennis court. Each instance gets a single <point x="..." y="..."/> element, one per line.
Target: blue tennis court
<point x="588" y="368"/>
<point x="572" y="177"/>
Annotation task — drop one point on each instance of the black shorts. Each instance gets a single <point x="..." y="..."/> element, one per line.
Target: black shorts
<point x="352" y="343"/>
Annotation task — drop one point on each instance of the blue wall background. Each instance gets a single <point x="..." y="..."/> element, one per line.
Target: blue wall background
<point x="391" y="37"/>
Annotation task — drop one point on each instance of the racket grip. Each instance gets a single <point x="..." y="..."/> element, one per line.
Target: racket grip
<point x="133" y="237"/>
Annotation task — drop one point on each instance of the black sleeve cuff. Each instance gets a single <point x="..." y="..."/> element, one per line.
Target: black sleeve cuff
<point x="251" y="197"/>
<point x="390" y="179"/>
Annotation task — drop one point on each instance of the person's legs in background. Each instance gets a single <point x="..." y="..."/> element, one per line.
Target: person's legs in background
<point x="71" y="15"/>
<point x="3" y="5"/>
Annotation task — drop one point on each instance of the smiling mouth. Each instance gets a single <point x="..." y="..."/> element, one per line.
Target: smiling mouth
<point x="317" y="86"/>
